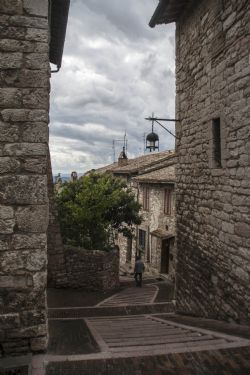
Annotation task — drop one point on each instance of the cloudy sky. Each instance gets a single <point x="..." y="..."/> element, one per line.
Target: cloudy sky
<point x="116" y="71"/>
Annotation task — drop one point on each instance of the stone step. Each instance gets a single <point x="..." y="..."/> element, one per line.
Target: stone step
<point x="74" y="313"/>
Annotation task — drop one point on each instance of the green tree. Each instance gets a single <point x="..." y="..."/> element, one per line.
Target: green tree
<point x="94" y="207"/>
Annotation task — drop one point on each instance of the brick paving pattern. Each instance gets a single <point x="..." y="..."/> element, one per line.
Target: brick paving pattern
<point x="132" y="296"/>
<point x="122" y="336"/>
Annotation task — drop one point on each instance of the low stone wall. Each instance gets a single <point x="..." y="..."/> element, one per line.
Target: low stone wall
<point x="92" y="269"/>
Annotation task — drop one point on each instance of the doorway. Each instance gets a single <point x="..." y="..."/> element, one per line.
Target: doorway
<point x="165" y="256"/>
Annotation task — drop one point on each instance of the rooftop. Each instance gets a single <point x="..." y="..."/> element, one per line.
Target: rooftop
<point x="138" y="164"/>
<point x="161" y="175"/>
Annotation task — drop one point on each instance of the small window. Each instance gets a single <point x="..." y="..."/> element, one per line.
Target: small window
<point x="216" y="143"/>
<point x="145" y="201"/>
<point x="142" y="239"/>
<point x="168" y="201"/>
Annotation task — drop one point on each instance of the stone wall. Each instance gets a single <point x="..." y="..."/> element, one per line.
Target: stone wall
<point x="24" y="105"/>
<point x="213" y="204"/>
<point x="94" y="270"/>
<point x="56" y="259"/>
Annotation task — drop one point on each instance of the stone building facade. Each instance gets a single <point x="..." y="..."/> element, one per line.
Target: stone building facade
<point x="24" y="201"/>
<point x="155" y="237"/>
<point x="213" y="147"/>
<point x="152" y="178"/>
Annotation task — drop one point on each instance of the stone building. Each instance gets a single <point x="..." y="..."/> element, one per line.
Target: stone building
<point x="152" y="178"/>
<point x="28" y="41"/>
<point x="155" y="237"/>
<point x="213" y="146"/>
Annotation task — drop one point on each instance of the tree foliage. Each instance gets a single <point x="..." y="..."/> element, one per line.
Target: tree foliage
<point x="94" y="207"/>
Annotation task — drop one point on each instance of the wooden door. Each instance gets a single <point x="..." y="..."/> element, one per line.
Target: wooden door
<point x="165" y="256"/>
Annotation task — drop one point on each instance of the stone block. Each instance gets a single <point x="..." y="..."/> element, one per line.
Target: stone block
<point x="37" y="262"/>
<point x="33" y="317"/>
<point x="38" y="115"/>
<point x="12" y="45"/>
<point x="242" y="229"/>
<point x="36" y="7"/>
<point x="23" y="189"/>
<point x="10" y="60"/>
<point x="37" y="35"/>
<point x="11" y="7"/>
<point x="32" y="219"/>
<point x="7" y="226"/>
<point x="23" y="115"/>
<point x="4" y="244"/>
<point x="36" y="98"/>
<point x="7" y="32"/>
<point x="6" y="220"/>
<point x="227" y="227"/>
<point x="39" y="344"/>
<point x="39" y="280"/>
<point x="9" y="165"/>
<point x="32" y="241"/>
<point x="35" y="132"/>
<point x="10" y="98"/>
<point x="32" y="331"/>
<point x="6" y="212"/>
<point x="26" y="149"/>
<point x="34" y="79"/>
<point x="36" y="60"/>
<point x="13" y="282"/>
<point x="8" y="132"/>
<point x="15" y="115"/>
<point x="34" y="165"/>
<point x="9" y="321"/>
<point x="31" y="22"/>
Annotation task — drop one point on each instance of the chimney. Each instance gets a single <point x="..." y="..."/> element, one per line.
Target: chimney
<point x="122" y="160"/>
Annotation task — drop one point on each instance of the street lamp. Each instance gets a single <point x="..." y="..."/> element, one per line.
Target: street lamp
<point x="152" y="139"/>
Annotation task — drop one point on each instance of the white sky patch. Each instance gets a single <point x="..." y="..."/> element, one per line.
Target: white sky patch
<point x="116" y="71"/>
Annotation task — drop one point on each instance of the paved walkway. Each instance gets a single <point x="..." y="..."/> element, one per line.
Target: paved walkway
<point x="147" y="335"/>
<point x="132" y="296"/>
<point x="122" y="335"/>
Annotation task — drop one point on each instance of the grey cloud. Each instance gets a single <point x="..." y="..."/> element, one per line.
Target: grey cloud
<point x="116" y="71"/>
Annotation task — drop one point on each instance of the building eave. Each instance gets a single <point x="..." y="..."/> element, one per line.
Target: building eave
<point x="59" y="10"/>
<point x="168" y="11"/>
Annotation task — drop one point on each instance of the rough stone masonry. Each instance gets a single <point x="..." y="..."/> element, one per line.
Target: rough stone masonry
<point x="213" y="200"/>
<point x="24" y="105"/>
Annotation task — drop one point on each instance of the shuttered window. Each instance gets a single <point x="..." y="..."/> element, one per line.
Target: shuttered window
<point x="145" y="201"/>
<point x="168" y="201"/>
<point x="142" y="239"/>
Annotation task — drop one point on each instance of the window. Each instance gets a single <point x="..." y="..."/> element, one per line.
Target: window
<point x="142" y="239"/>
<point x="168" y="201"/>
<point x="216" y="143"/>
<point x="145" y="201"/>
<point x="129" y="249"/>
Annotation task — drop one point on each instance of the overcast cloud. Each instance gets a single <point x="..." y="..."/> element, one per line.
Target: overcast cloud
<point x="116" y="70"/>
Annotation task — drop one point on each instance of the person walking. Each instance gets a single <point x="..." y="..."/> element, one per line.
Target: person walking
<point x="138" y="271"/>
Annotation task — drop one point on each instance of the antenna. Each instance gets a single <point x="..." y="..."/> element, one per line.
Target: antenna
<point x="125" y="144"/>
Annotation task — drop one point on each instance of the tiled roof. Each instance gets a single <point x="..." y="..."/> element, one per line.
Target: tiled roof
<point x="168" y="11"/>
<point x="161" y="175"/>
<point x="137" y="164"/>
